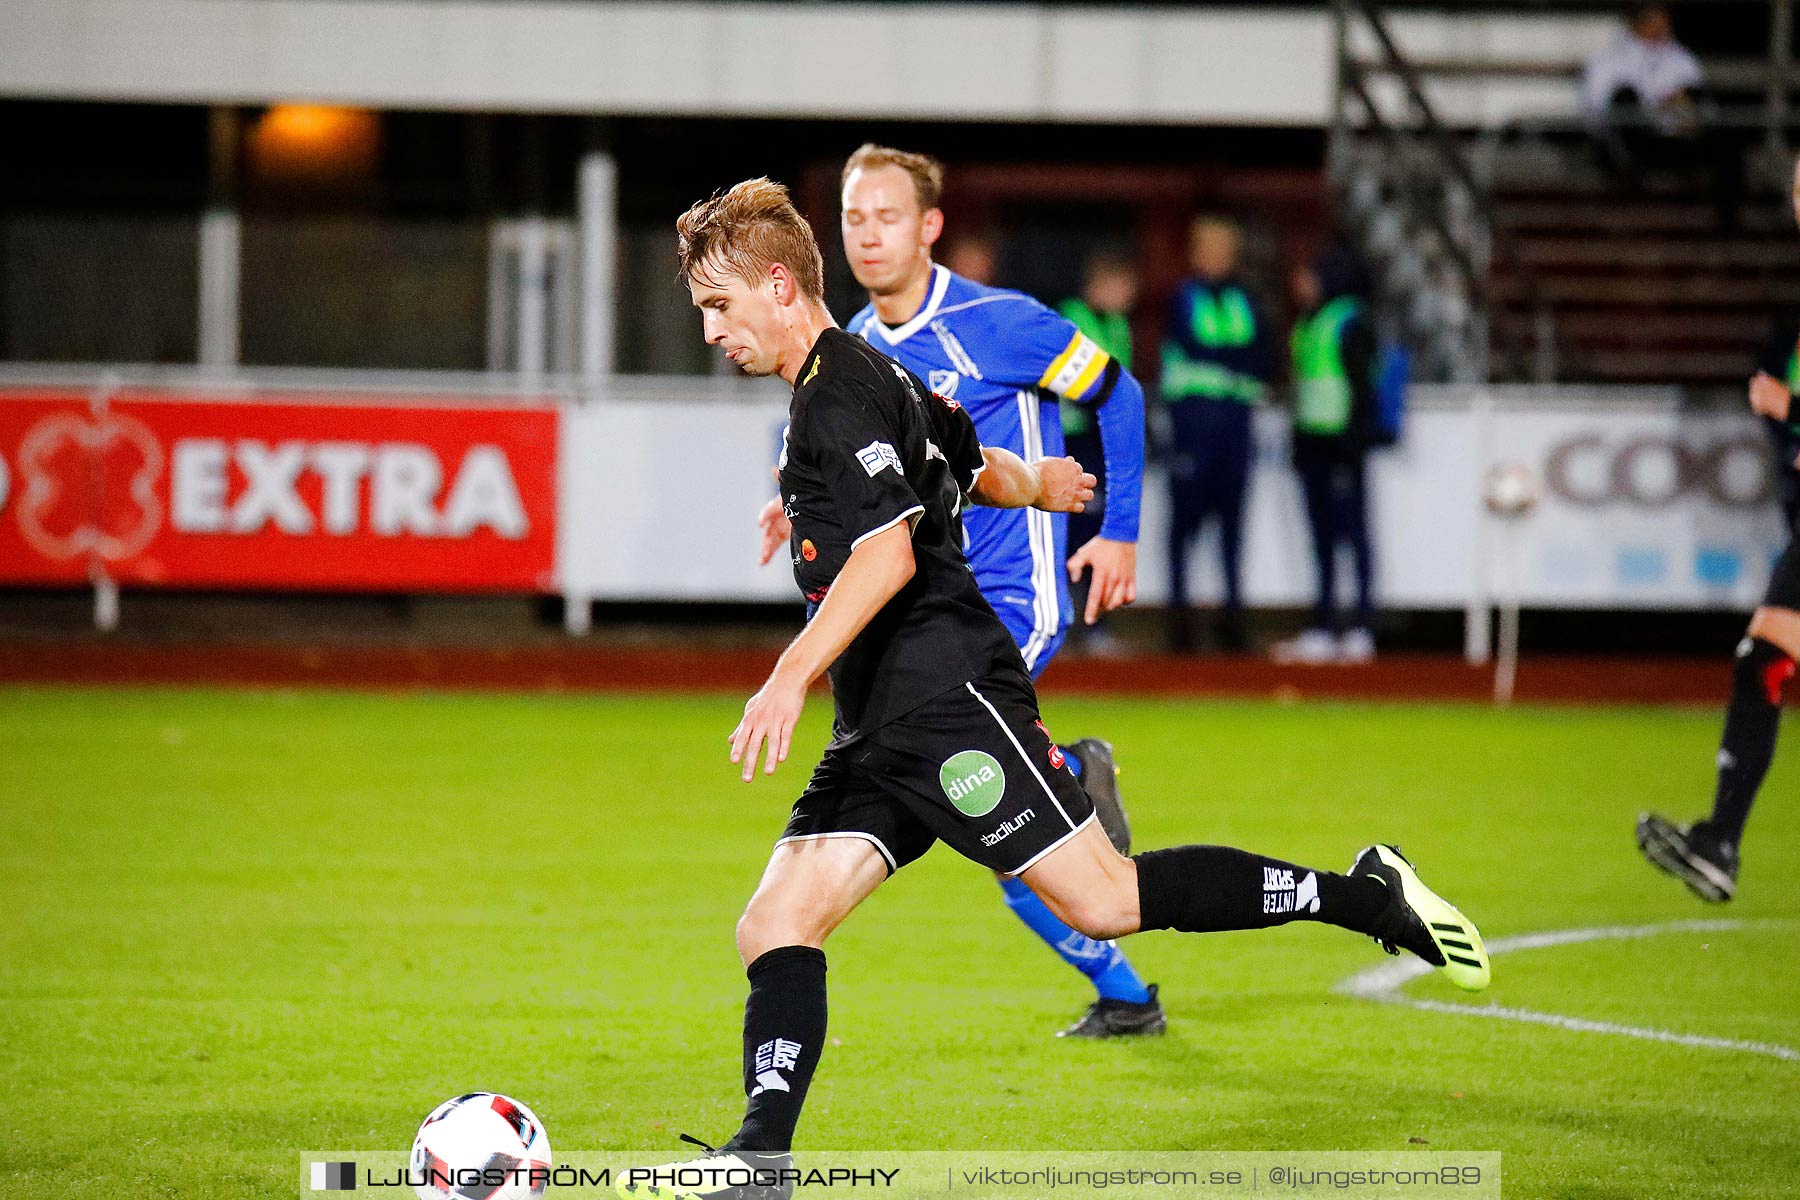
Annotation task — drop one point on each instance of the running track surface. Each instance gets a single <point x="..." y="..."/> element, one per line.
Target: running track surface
<point x="574" y="666"/>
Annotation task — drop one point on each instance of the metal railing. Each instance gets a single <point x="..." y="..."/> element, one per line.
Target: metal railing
<point x="1424" y="175"/>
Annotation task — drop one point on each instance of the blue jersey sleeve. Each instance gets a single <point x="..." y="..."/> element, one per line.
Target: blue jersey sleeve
<point x="1121" y="412"/>
<point x="1028" y="346"/>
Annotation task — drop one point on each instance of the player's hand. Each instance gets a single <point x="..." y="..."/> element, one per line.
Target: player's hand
<point x="769" y="715"/>
<point x="1062" y="485"/>
<point x="1115" y="574"/>
<point x="776" y="529"/>
<point x="1769" y="397"/>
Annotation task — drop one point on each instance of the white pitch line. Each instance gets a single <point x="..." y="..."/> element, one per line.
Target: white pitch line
<point x="1383" y="983"/>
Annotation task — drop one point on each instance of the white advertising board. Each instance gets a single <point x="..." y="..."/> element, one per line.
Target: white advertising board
<point x="1643" y="506"/>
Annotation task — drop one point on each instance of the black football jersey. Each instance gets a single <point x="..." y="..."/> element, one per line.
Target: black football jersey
<point x="868" y="447"/>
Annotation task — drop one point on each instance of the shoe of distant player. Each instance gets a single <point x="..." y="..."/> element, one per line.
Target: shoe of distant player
<point x="1120" y="1018"/>
<point x="716" y="1175"/>
<point x="1311" y="648"/>
<point x="1693" y="855"/>
<point x="1420" y="920"/>
<point x="1356" y="647"/>
<point x="1100" y="779"/>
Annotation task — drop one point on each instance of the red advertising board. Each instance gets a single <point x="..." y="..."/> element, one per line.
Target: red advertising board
<point x="277" y="492"/>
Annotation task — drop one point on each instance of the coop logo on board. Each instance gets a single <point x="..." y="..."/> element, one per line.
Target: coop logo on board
<point x="1590" y="470"/>
<point x="388" y="489"/>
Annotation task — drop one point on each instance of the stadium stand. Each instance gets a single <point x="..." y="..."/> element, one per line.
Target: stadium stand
<point x="1506" y="251"/>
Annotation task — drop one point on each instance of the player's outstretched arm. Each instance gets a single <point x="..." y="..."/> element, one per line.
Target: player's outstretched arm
<point x="1052" y="484"/>
<point x="877" y="569"/>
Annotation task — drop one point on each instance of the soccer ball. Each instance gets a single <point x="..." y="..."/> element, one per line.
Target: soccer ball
<point x="481" y="1146"/>
<point x="1510" y="490"/>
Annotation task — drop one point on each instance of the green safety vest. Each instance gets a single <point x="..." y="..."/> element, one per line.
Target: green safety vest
<point x="1322" y="387"/>
<point x="1793" y="384"/>
<point x="1221" y="319"/>
<point x="1224" y="318"/>
<point x="1112" y="333"/>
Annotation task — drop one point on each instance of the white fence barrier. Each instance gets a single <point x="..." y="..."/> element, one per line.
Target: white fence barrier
<point x="647" y="489"/>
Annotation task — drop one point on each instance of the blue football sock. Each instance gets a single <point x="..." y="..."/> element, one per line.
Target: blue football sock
<point x="1102" y="962"/>
<point x="1074" y="762"/>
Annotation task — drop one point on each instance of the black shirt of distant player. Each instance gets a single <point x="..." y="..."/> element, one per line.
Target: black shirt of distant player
<point x="869" y="447"/>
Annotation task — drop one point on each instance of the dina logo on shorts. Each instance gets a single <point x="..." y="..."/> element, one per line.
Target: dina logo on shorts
<point x="973" y="781"/>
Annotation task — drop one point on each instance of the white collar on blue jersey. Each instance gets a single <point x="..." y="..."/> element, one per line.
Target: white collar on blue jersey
<point x="940" y="283"/>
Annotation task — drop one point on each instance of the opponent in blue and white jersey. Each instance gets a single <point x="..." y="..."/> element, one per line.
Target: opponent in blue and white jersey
<point x="1007" y="359"/>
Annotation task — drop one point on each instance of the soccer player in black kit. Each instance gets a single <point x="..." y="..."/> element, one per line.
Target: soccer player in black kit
<point x="937" y="735"/>
<point x="1704" y="854"/>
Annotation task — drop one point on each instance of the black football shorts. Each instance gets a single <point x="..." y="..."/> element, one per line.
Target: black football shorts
<point x="1784" y="580"/>
<point x="973" y="767"/>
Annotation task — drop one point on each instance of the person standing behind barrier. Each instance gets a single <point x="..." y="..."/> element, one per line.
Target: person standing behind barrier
<point x="1334" y="357"/>
<point x="1216" y="364"/>
<point x="1103" y="312"/>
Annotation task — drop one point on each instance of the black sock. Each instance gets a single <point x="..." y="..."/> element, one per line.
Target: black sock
<point x="784" y="1028"/>
<point x="1748" y="744"/>
<point x="1207" y="889"/>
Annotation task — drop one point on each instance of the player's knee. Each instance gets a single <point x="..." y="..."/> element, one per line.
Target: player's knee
<point x="1762" y="670"/>
<point x="1101" y="915"/>
<point x="759" y="931"/>
<point x="768" y="925"/>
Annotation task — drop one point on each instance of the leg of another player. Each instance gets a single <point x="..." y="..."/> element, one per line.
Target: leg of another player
<point x="1765" y="663"/>
<point x="1704" y="855"/>
<point x="1104" y="964"/>
<point x="1207" y="889"/>
<point x="1126" y="1005"/>
<point x="807" y="890"/>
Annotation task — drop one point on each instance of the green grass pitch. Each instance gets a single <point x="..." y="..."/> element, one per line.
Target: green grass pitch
<point x="240" y="924"/>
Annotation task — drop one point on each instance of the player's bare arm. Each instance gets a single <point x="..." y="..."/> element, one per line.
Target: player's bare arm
<point x="1051" y="484"/>
<point x="1007" y="481"/>
<point x="1114" y="565"/>
<point x="876" y="570"/>
<point x="776" y="529"/>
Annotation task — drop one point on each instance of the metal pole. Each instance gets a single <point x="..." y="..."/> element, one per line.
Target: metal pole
<point x="578" y="613"/>
<point x="1506" y="661"/>
<point x="534" y="286"/>
<point x="1781" y="62"/>
<point x="599" y="203"/>
<point x="534" y="261"/>
<point x="1506" y="666"/>
<point x="1337" y="149"/>
<point x="221" y="248"/>
<point x="502" y="241"/>
<point x="106" y="588"/>
<point x="1477" y="614"/>
<point x="106" y="600"/>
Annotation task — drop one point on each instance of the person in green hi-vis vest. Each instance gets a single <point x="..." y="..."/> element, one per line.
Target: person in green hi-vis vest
<point x="1217" y="360"/>
<point x="1103" y="311"/>
<point x="1333" y="376"/>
